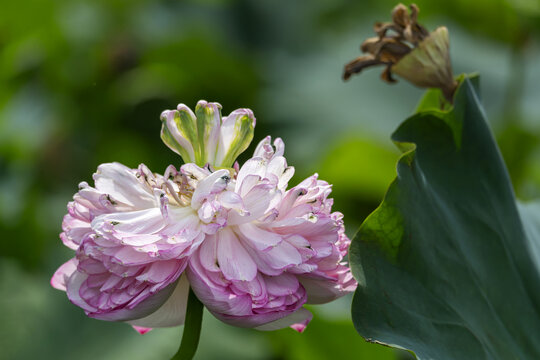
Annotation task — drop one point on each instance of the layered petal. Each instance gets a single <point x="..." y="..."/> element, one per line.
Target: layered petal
<point x="284" y="249"/>
<point x="244" y="303"/>
<point x="132" y="235"/>
<point x="252" y="251"/>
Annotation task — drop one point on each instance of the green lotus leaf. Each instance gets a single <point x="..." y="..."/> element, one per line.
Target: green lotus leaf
<point x="448" y="267"/>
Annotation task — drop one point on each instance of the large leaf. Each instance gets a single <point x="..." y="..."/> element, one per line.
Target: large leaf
<point x="446" y="266"/>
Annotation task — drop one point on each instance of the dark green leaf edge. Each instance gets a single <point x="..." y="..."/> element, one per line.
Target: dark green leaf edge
<point x="433" y="104"/>
<point x="385" y="241"/>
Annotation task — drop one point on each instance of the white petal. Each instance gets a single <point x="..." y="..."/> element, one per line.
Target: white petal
<point x="194" y="172"/>
<point x="212" y="184"/>
<point x="280" y="147"/>
<point x="260" y="150"/>
<point x="73" y="286"/>
<point x="181" y="220"/>
<point x="248" y="182"/>
<point x="232" y="200"/>
<point x="299" y="316"/>
<point x="172" y="313"/>
<point x="256" y="202"/>
<point x="254" y="166"/>
<point x="121" y="184"/>
<point x="126" y="224"/>
<point x="211" y="289"/>
<point x="321" y="291"/>
<point x="278" y="167"/>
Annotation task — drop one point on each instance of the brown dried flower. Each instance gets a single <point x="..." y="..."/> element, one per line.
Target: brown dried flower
<point x="407" y="49"/>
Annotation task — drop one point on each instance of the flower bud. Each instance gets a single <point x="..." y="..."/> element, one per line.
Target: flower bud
<point x="204" y="137"/>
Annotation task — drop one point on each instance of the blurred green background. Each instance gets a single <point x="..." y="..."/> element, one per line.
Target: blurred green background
<point x="82" y="82"/>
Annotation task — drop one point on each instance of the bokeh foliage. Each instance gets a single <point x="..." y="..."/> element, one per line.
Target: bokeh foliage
<point x="83" y="82"/>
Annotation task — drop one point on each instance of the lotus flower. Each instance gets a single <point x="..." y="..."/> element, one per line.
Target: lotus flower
<point x="279" y="249"/>
<point x="252" y="251"/>
<point x="133" y="235"/>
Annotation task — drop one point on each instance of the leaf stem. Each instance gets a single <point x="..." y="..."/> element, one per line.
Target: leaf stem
<point x="192" y="328"/>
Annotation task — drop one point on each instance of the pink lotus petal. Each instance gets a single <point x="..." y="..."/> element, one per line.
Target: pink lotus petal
<point x="287" y="239"/>
<point x="233" y="259"/>
<point x="131" y="237"/>
<point x="282" y="285"/>
<point x="260" y="239"/>
<point x="213" y="184"/>
<point x="141" y="330"/>
<point x="62" y="275"/>
<point x="121" y="183"/>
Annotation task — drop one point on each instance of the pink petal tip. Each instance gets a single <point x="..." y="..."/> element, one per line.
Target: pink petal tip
<point x="141" y="330"/>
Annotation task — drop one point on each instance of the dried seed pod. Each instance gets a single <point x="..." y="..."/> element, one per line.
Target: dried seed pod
<point x="406" y="48"/>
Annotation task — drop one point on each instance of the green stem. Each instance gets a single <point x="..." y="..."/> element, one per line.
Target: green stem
<point x="192" y="329"/>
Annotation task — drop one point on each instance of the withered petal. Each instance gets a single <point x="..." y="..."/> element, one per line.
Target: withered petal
<point x="400" y="16"/>
<point x="381" y="28"/>
<point x="360" y="63"/>
<point x="370" y="45"/>
<point x="387" y="75"/>
<point x="414" y="13"/>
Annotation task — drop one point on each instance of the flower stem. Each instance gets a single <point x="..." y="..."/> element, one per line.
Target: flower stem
<point x="192" y="329"/>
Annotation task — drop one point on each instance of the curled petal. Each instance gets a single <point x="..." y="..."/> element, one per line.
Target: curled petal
<point x="235" y="137"/>
<point x="62" y="275"/>
<point x="132" y="235"/>
<point x="121" y="184"/>
<point x="208" y="131"/>
<point x="213" y="184"/>
<point x="142" y="310"/>
<point x="258" y="320"/>
<point x="204" y="137"/>
<point x="179" y="131"/>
